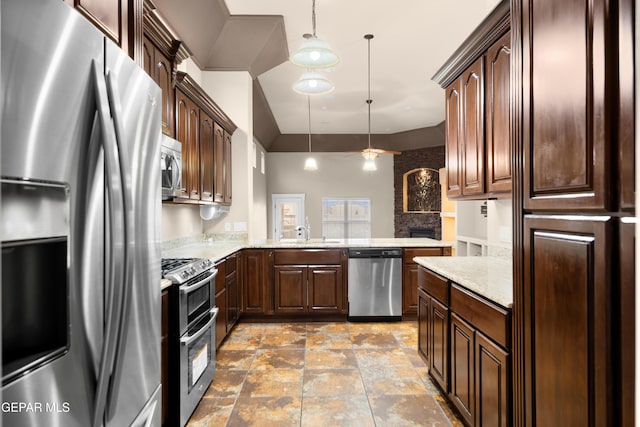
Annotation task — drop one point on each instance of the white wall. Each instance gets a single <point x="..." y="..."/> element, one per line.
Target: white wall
<point x="338" y="175"/>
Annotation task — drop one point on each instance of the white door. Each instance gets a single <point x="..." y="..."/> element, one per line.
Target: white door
<point x="288" y="213"/>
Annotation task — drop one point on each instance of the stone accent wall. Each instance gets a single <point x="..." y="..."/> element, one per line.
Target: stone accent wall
<point x="432" y="157"/>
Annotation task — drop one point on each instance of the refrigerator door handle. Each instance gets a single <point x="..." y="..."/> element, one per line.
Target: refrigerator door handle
<point x="125" y="168"/>
<point x="115" y="274"/>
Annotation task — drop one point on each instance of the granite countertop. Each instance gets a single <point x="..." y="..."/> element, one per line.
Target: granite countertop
<point x="216" y="250"/>
<point x="490" y="277"/>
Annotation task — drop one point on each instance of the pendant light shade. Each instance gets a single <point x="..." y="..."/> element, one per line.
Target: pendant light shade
<point x="313" y="83"/>
<point x="369" y="165"/>
<point x="310" y="164"/>
<point x="314" y="53"/>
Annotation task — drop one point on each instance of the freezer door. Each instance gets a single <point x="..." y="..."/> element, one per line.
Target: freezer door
<point x="49" y="138"/>
<point x="135" y="106"/>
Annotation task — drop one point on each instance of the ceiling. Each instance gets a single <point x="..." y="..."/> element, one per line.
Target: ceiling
<point x="411" y="42"/>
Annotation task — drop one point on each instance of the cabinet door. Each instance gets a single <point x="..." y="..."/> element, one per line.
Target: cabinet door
<point x="439" y="356"/>
<point x="325" y="288"/>
<point x="206" y="157"/>
<point x="452" y="142"/>
<point x="147" y="57"/>
<point x="193" y="151"/>
<point x="221" y="320"/>
<point x="462" y="368"/>
<point x="290" y="288"/>
<point x="227" y="169"/>
<point x="627" y="322"/>
<point x="187" y="132"/>
<point x="568" y="107"/>
<point x="492" y="382"/>
<point x="111" y="17"/>
<point x="423" y="325"/>
<point x="472" y="148"/>
<point x="498" y="137"/>
<point x="254" y="292"/>
<point x="183" y="105"/>
<point x="410" y="289"/>
<point x="162" y="75"/>
<point x="218" y="158"/>
<point x="232" y="300"/>
<point x="567" y="297"/>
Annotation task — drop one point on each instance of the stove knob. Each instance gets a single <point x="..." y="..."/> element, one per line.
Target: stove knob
<point x="185" y="274"/>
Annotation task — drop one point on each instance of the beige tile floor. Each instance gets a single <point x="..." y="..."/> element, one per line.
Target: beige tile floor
<point x="322" y="374"/>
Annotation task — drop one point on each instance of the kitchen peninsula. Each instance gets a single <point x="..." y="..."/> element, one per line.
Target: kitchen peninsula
<point x="464" y="333"/>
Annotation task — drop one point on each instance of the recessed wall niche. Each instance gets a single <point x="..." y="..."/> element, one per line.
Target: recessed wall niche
<point x="431" y="158"/>
<point x="421" y="190"/>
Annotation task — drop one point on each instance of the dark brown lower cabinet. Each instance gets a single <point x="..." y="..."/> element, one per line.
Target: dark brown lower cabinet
<point x="439" y="357"/>
<point x="627" y="323"/>
<point x="568" y="299"/>
<point x="424" y="325"/>
<point x="255" y="297"/>
<point x="462" y="368"/>
<point x="309" y="281"/>
<point x="465" y="342"/>
<point x="410" y="275"/>
<point x="221" y="303"/>
<point x="233" y="296"/>
<point x="492" y="383"/>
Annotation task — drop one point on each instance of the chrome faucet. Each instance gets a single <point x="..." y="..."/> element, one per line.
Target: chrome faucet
<point x="305" y="229"/>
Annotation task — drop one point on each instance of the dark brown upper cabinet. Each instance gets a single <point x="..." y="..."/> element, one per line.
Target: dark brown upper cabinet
<point x="120" y="20"/>
<point x="476" y="79"/>
<point x="497" y="130"/>
<point x="567" y="125"/>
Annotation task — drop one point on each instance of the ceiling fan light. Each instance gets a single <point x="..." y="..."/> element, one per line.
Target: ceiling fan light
<point x="369" y="154"/>
<point x="310" y="164"/>
<point x="369" y="165"/>
<point x="314" y="53"/>
<point x="313" y="83"/>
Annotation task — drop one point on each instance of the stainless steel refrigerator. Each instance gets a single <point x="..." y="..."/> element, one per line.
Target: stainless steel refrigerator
<point x="79" y="218"/>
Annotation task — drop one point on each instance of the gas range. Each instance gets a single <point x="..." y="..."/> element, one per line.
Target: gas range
<point x="181" y="270"/>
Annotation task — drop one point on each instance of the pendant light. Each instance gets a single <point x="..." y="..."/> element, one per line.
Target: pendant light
<point x="314" y="53"/>
<point x="313" y="83"/>
<point x="368" y="154"/>
<point x="310" y="164"/>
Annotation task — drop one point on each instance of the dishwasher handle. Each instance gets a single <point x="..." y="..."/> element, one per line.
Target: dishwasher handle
<point x="375" y="253"/>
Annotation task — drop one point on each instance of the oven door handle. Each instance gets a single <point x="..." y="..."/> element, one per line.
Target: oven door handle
<point x="188" y="340"/>
<point x="191" y="288"/>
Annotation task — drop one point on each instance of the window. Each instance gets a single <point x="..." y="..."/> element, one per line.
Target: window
<point x="346" y="218"/>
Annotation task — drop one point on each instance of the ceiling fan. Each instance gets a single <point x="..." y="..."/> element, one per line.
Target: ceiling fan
<point x="370" y="153"/>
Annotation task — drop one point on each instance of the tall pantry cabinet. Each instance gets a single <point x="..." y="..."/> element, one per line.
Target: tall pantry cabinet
<point x="572" y="135"/>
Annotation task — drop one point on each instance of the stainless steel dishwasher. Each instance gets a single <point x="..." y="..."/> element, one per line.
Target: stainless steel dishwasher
<point x="375" y="284"/>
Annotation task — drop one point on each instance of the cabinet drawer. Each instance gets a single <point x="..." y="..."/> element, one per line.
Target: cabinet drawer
<point x="230" y="264"/>
<point x="436" y="286"/>
<point x="492" y="320"/>
<point x="306" y="257"/>
<point x="410" y="253"/>
<point x="220" y="265"/>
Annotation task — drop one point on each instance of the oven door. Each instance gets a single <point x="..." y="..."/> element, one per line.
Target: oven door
<point x="197" y="362"/>
<point x="196" y="297"/>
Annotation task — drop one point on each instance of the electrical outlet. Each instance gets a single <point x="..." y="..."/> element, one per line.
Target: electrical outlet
<point x="227" y="226"/>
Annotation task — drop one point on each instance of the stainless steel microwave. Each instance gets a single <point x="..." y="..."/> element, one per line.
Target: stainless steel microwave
<point x="171" y="164"/>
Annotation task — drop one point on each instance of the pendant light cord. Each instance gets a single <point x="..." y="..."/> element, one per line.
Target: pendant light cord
<point x="313" y="17"/>
<point x="369" y="100"/>
<point x="309" y="109"/>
